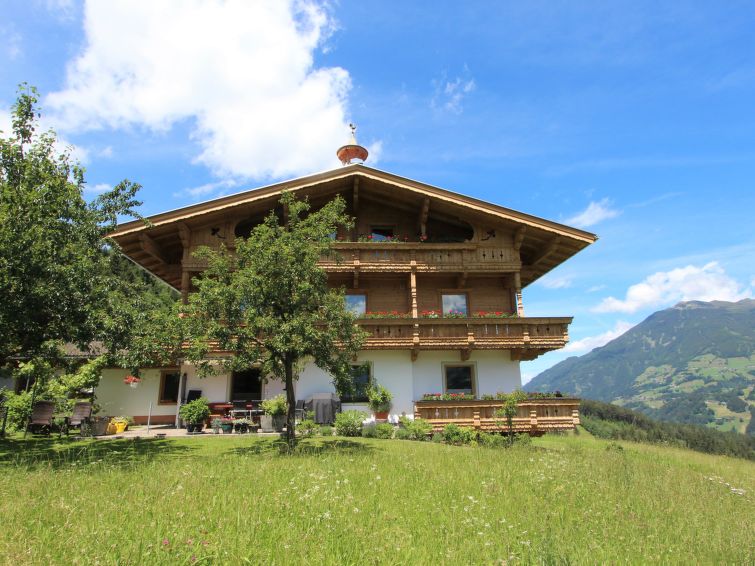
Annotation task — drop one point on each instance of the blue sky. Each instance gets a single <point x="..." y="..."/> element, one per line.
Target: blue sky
<point x="633" y="120"/>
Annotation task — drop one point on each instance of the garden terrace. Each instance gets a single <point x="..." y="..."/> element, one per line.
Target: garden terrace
<point x="534" y="416"/>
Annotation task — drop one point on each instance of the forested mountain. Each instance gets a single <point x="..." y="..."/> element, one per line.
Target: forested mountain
<point x="692" y="363"/>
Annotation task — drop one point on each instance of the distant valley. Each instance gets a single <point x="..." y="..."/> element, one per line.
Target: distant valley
<point x="692" y="363"/>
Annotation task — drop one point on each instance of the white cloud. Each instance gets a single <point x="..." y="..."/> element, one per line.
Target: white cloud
<point x="98" y="189"/>
<point x="11" y="39"/>
<point x="242" y="73"/>
<point x="706" y="283"/>
<point x="106" y="152"/>
<point x="449" y="94"/>
<point x="216" y="189"/>
<point x="594" y="213"/>
<point x="592" y="342"/>
<point x="596" y="288"/>
<point x="556" y="282"/>
<point x="61" y="145"/>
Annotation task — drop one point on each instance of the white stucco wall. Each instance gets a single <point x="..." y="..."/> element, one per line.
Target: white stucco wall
<point x="407" y="380"/>
<point x="118" y="399"/>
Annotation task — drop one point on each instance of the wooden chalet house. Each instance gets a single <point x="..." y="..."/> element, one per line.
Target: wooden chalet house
<point x="435" y="277"/>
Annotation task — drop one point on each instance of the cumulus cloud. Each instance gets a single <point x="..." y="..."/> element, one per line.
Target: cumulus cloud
<point x="594" y="213"/>
<point x="241" y="73"/>
<point x="592" y="342"/>
<point x="450" y="94"/>
<point x="707" y="283"/>
<point x="61" y="145"/>
<point x="98" y="189"/>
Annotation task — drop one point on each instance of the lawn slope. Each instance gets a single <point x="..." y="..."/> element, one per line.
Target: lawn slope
<point x="231" y="500"/>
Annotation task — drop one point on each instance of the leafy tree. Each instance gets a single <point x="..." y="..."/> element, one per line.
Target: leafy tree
<point x="55" y="280"/>
<point x="270" y="304"/>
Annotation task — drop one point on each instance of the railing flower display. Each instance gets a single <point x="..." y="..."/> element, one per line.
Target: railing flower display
<point x="430" y="314"/>
<point x="493" y="314"/>
<point x="386" y="314"/>
<point x="455" y="314"/>
<point x="132" y="381"/>
<point x="447" y="397"/>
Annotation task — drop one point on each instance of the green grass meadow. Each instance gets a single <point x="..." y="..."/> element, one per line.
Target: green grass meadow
<point x="238" y="500"/>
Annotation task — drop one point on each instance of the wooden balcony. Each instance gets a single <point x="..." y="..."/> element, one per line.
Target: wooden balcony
<point x="425" y="258"/>
<point x="535" y="416"/>
<point x="528" y="337"/>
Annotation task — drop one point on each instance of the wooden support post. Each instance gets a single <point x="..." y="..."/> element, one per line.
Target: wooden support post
<point x="355" y="208"/>
<point x="575" y="416"/>
<point x="185" y="285"/>
<point x="533" y="420"/>
<point x="185" y="234"/>
<point x="476" y="422"/>
<point x="518" y="294"/>
<point x="519" y="237"/>
<point x="423" y="214"/>
<point x="413" y="292"/>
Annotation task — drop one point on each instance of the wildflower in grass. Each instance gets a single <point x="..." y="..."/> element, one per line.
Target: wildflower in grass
<point x="166" y="542"/>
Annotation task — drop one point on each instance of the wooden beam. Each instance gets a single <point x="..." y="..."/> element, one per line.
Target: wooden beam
<point x="423" y="214"/>
<point x="355" y="200"/>
<point x="413" y="292"/>
<point x="546" y="252"/>
<point x="519" y="237"/>
<point x="465" y="353"/>
<point x="150" y="248"/>
<point x="461" y="280"/>
<point x="184" y="232"/>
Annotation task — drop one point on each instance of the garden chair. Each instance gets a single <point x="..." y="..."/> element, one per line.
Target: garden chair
<point x="81" y="414"/>
<point x="41" y="416"/>
<point x="299" y="412"/>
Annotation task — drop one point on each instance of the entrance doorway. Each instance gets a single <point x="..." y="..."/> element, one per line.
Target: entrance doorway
<point x="246" y="385"/>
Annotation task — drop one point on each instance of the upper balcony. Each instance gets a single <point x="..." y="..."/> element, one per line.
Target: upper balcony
<point x="424" y="257"/>
<point x="527" y="338"/>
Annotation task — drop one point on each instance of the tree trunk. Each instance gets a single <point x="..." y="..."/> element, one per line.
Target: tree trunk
<point x="291" y="399"/>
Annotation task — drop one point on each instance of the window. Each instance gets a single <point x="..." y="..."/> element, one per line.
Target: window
<point x="459" y="378"/>
<point x="455" y="304"/>
<point x="356" y="304"/>
<point x="381" y="233"/>
<point x="360" y="383"/>
<point x="169" y="381"/>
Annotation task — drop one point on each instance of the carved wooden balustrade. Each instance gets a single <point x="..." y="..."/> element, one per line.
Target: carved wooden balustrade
<point x="402" y="257"/>
<point x="534" y="416"/>
<point x="537" y="334"/>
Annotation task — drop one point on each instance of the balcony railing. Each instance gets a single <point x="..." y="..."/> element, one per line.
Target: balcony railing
<point x="466" y="333"/>
<point x="534" y="416"/>
<point x="367" y="257"/>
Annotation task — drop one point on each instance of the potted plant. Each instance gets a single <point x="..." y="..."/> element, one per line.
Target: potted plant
<point x="275" y="413"/>
<point x="195" y="413"/>
<point x="379" y="399"/>
<point x="215" y="425"/>
<point x="226" y="425"/>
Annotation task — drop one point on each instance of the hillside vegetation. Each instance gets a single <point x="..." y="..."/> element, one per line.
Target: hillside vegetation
<point x="235" y="500"/>
<point x="693" y="363"/>
<point x="613" y="422"/>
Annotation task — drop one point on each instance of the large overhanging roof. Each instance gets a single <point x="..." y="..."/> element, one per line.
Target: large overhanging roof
<point x="544" y="244"/>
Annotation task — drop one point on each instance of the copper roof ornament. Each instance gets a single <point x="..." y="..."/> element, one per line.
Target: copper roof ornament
<point x="347" y="153"/>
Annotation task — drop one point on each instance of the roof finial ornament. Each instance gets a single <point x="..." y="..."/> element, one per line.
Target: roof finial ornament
<point x="347" y="153"/>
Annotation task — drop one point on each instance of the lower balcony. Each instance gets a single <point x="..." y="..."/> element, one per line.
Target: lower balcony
<point x="527" y="338"/>
<point x="534" y="416"/>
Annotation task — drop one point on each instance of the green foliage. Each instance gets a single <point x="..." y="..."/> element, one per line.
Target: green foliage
<point x="369" y="431"/>
<point x="308" y="428"/>
<point x="455" y="434"/>
<point x="195" y="412"/>
<point x="19" y="409"/>
<point x="418" y="429"/>
<point x="401" y="434"/>
<point x="55" y="281"/>
<point x="349" y="423"/>
<point x="379" y="398"/>
<point x="275" y="406"/>
<point x="613" y="422"/>
<point x="384" y="430"/>
<point x="269" y="302"/>
<point x="326" y="430"/>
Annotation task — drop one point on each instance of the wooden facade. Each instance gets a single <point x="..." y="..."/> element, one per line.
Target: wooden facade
<point x="411" y="246"/>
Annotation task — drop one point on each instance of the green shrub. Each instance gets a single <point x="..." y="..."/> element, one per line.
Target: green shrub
<point x="490" y="440"/>
<point x="455" y="434"/>
<point x="384" y="430"/>
<point x="326" y="430"/>
<point x="19" y="409"/>
<point x="195" y="412"/>
<point x="275" y="406"/>
<point x="349" y="423"/>
<point x="401" y="434"/>
<point x="437" y="438"/>
<point x="522" y="439"/>
<point x="418" y="429"/>
<point x="307" y="428"/>
<point x="369" y="431"/>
